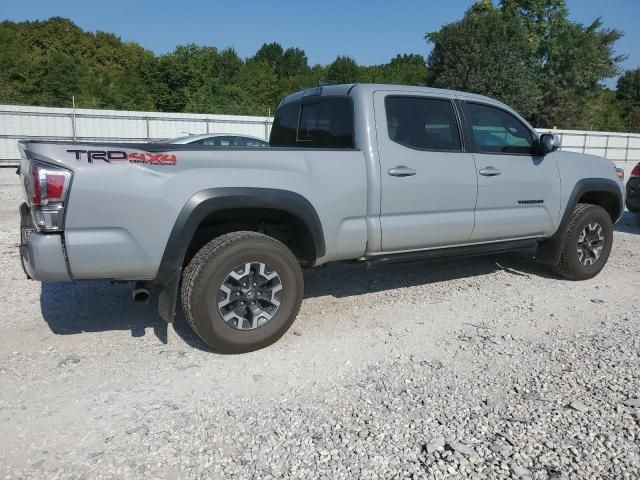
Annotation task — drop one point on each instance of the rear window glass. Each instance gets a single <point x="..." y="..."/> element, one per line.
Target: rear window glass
<point x="423" y="123"/>
<point x="314" y="123"/>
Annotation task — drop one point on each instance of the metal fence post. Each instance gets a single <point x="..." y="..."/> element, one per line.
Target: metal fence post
<point x="584" y="144"/>
<point x="606" y="146"/>
<point x="148" y="131"/>
<point x="626" y="150"/>
<point x="72" y="117"/>
<point x="206" y="121"/>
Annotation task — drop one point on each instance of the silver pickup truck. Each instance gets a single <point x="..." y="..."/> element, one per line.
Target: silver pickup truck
<point x="354" y="172"/>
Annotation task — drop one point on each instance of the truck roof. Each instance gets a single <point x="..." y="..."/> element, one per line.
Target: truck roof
<point x="369" y="88"/>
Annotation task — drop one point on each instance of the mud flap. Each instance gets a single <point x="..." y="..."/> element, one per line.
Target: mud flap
<point x="168" y="297"/>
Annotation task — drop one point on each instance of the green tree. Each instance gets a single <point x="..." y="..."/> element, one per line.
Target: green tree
<point x="557" y="66"/>
<point x="628" y="94"/>
<point x="406" y="69"/>
<point x="343" y="70"/>
<point x="293" y="62"/>
<point x="487" y="53"/>
<point x="61" y="81"/>
<point x="603" y="112"/>
<point x="271" y="55"/>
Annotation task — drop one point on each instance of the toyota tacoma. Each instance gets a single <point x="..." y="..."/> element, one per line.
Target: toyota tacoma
<point x="375" y="173"/>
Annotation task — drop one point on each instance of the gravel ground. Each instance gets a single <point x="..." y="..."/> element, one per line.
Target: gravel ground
<point x="481" y="368"/>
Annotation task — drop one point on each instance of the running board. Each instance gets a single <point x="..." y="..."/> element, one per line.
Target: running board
<point x="464" y="251"/>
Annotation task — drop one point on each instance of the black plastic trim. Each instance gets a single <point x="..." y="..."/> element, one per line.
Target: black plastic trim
<point x="550" y="250"/>
<point x="462" y="251"/>
<point x="209" y="201"/>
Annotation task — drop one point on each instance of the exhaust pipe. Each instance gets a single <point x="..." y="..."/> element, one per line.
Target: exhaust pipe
<point x="140" y="294"/>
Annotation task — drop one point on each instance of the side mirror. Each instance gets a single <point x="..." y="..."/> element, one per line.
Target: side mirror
<point x="549" y="142"/>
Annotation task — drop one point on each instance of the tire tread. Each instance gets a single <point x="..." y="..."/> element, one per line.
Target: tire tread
<point x="563" y="267"/>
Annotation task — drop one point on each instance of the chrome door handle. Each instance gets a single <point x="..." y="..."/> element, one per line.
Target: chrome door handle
<point x="489" y="172"/>
<point x="401" y="171"/>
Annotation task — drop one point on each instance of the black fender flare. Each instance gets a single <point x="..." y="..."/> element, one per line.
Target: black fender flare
<point x="208" y="201"/>
<point x="549" y="250"/>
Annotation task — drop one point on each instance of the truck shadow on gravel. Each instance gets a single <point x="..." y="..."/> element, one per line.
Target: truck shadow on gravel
<point x="99" y="306"/>
<point x="341" y="280"/>
<point x="628" y="223"/>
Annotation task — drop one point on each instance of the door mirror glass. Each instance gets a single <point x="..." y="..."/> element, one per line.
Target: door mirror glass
<point x="549" y="143"/>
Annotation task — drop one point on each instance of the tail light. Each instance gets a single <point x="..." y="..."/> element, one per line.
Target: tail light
<point x="46" y="187"/>
<point x="636" y="171"/>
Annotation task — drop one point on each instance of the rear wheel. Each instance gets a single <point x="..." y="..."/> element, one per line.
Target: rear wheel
<point x="242" y="291"/>
<point x="587" y="244"/>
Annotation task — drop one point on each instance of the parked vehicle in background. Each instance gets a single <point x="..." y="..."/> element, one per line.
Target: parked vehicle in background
<point x="376" y="173"/>
<point x="633" y="192"/>
<point x="220" y="140"/>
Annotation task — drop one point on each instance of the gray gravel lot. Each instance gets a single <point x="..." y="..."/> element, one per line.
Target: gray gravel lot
<point x="481" y="368"/>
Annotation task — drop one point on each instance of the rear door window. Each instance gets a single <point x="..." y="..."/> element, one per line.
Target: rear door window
<point x="423" y="123"/>
<point x="314" y="123"/>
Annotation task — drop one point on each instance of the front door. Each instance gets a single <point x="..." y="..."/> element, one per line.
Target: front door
<point x="518" y="190"/>
<point x="428" y="182"/>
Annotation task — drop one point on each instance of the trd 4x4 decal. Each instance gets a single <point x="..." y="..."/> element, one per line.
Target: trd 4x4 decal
<point x="118" y="155"/>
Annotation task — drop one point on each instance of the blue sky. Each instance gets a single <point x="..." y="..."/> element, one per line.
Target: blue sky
<point x="371" y="31"/>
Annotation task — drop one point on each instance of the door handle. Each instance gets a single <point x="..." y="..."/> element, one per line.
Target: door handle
<point x="401" y="171"/>
<point x="489" y="172"/>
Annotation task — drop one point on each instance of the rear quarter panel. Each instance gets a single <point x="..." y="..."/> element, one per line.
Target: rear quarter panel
<point x="120" y="214"/>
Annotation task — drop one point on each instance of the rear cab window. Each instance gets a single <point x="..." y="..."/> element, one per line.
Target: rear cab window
<point x="423" y="123"/>
<point x="314" y="122"/>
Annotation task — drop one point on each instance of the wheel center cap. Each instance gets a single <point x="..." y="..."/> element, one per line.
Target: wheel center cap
<point x="251" y="295"/>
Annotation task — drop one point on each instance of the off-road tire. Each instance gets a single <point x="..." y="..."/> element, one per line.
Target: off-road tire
<point x="569" y="265"/>
<point x="207" y="271"/>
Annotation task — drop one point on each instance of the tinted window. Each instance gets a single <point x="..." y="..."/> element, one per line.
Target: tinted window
<point x="424" y="123"/>
<point x="314" y="123"/>
<point x="285" y="125"/>
<point x="496" y="131"/>
<point x="253" y="142"/>
<point x="220" y="141"/>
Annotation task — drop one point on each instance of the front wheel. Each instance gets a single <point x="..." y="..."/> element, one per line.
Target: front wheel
<point x="587" y="244"/>
<point x="242" y="291"/>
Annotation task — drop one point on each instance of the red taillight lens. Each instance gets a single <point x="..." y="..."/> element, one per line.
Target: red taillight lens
<point x="636" y="171"/>
<point x="48" y="184"/>
<point x="35" y="185"/>
<point x="55" y="187"/>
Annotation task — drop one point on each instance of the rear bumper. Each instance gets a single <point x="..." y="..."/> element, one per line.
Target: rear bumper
<point x="42" y="254"/>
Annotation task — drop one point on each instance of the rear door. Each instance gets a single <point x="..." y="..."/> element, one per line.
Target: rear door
<point x="428" y="181"/>
<point x="518" y="190"/>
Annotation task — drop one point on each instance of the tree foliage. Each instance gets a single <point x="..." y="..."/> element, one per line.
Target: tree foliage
<point x="529" y="54"/>
<point x="524" y="52"/>
<point x="47" y="62"/>
<point x="486" y="52"/>
<point x="628" y="95"/>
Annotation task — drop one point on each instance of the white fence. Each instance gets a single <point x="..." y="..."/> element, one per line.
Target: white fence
<point x="44" y="123"/>
<point x="18" y="122"/>
<point x="621" y="148"/>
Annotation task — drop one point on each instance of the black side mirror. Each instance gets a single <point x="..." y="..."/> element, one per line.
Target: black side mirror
<point x="549" y="142"/>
